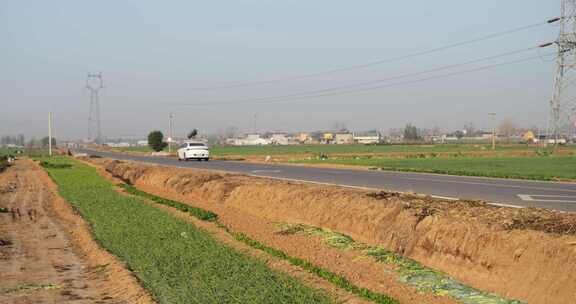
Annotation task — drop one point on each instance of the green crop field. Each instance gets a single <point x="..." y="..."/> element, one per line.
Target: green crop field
<point x="218" y="150"/>
<point x="177" y="262"/>
<point x="539" y="168"/>
<point x="364" y="149"/>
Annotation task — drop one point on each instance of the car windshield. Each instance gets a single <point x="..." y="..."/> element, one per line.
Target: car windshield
<point x="196" y="145"/>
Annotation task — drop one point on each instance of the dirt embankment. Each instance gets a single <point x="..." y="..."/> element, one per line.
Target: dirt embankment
<point x="47" y="254"/>
<point x="525" y="254"/>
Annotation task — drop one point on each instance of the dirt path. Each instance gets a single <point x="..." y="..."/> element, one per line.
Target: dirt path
<point x="39" y="260"/>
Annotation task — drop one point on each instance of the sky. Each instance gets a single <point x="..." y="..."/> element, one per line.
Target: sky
<point x="155" y="56"/>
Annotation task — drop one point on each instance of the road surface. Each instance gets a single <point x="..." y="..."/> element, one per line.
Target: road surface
<point x="519" y="193"/>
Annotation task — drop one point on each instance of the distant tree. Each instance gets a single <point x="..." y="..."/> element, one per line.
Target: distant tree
<point x="192" y="134"/>
<point x="411" y="133"/>
<point x="45" y="141"/>
<point x="156" y="141"/>
<point x="459" y="134"/>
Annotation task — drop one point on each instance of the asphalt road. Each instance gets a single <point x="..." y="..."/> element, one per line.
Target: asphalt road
<point x="558" y="196"/>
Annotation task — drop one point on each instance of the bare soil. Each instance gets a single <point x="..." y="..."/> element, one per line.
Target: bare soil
<point x="521" y="254"/>
<point x="46" y="252"/>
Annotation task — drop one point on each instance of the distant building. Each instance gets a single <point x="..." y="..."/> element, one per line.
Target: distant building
<point x="118" y="145"/>
<point x="303" y="138"/>
<point x="279" y="139"/>
<point x="253" y="139"/>
<point x="327" y="138"/>
<point x="344" y="138"/>
<point x="368" y="138"/>
<point x="529" y="137"/>
<point x="142" y="143"/>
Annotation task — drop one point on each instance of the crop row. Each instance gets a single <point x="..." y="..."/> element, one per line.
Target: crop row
<point x="174" y="260"/>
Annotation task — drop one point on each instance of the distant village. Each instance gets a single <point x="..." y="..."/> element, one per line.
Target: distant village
<point x="407" y="135"/>
<point x="345" y="137"/>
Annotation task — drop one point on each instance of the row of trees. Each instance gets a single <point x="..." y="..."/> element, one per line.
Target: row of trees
<point x="507" y="128"/>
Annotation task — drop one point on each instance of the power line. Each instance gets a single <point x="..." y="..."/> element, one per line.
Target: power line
<point x="381" y="61"/>
<point x="371" y="88"/>
<point x="358" y="86"/>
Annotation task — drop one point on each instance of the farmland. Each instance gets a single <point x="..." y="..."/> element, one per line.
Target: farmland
<point x="361" y="149"/>
<point x="176" y="261"/>
<point x="301" y="150"/>
<point x="537" y="168"/>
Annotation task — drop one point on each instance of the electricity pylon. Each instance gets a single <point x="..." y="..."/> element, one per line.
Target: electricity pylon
<point x="564" y="96"/>
<point x="94" y="82"/>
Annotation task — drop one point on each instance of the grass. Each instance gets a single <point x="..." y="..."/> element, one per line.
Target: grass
<point x="358" y="149"/>
<point x="174" y="260"/>
<point x="537" y="168"/>
<point x="323" y="273"/>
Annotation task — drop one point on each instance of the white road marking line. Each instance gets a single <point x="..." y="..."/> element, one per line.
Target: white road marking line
<point x="266" y="171"/>
<point x="487" y="184"/>
<point x="525" y="197"/>
<point x="546" y="198"/>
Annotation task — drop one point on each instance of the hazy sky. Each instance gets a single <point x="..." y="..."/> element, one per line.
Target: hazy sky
<point x="153" y="54"/>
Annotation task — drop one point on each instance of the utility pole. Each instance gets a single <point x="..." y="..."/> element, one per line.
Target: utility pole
<point x="493" y="115"/>
<point x="94" y="82"/>
<point x="170" y="132"/>
<point x="564" y="88"/>
<point x="50" y="134"/>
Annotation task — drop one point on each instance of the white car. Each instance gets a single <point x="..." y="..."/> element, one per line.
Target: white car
<point x="193" y="150"/>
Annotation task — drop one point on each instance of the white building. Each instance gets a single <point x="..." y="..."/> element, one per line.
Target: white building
<point x="118" y="145"/>
<point x="249" y="140"/>
<point x="368" y="138"/>
<point x="279" y="139"/>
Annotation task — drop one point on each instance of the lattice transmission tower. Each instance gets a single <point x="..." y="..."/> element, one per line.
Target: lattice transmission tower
<point x="94" y="82"/>
<point x="563" y="104"/>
